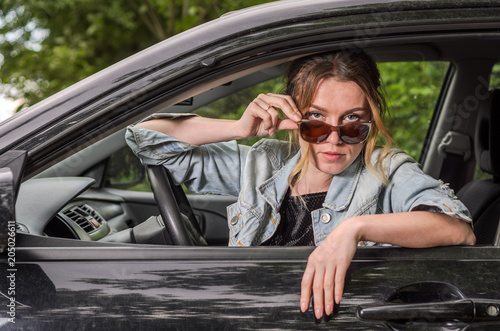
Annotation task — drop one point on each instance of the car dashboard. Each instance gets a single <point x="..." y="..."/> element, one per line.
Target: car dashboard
<point x="63" y="207"/>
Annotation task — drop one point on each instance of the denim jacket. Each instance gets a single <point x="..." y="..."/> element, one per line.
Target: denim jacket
<point x="258" y="176"/>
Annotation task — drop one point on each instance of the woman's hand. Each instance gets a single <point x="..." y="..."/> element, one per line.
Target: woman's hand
<point x="261" y="117"/>
<point x="326" y="270"/>
<point x="328" y="263"/>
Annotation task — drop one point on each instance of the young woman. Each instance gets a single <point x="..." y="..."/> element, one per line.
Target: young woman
<point x="332" y="188"/>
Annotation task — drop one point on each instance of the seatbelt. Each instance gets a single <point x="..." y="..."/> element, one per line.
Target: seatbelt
<point x="455" y="148"/>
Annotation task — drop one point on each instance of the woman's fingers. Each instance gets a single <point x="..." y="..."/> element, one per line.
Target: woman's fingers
<point x="261" y="116"/>
<point x="318" y="282"/>
<point x="257" y="120"/>
<point x="274" y="120"/>
<point x="283" y="102"/>
<point x="328" y="288"/>
<point x="324" y="280"/>
<point x="324" y="285"/>
<point x="339" y="283"/>
<point x="327" y="268"/>
<point x="306" y="286"/>
<point x="268" y="122"/>
<point x="286" y="124"/>
<point x="286" y="104"/>
<point x="317" y="287"/>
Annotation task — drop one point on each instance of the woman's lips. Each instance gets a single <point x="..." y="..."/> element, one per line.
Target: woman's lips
<point x="332" y="156"/>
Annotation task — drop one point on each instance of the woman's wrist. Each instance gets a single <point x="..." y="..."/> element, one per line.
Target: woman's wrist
<point x="236" y="131"/>
<point x="352" y="228"/>
<point x="358" y="227"/>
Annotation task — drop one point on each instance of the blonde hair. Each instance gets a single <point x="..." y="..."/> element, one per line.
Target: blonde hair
<point x="303" y="78"/>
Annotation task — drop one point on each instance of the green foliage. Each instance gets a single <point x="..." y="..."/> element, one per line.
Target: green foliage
<point x="47" y="45"/>
<point x="495" y="77"/>
<point x="412" y="91"/>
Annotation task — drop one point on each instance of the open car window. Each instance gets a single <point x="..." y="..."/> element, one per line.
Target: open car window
<point x="412" y="90"/>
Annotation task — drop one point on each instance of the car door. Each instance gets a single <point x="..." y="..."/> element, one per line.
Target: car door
<point x="124" y="287"/>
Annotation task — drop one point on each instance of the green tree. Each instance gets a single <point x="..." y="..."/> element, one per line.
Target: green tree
<point x="412" y="91"/>
<point x="47" y="45"/>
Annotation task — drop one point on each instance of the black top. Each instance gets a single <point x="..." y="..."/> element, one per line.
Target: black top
<point x="295" y="228"/>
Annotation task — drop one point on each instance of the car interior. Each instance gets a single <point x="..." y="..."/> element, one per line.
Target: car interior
<point x="73" y="200"/>
<point x="481" y="196"/>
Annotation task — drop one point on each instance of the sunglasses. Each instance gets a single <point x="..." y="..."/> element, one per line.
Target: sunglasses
<point x="316" y="131"/>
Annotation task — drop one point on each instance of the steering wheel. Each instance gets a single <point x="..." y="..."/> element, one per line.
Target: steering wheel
<point x="182" y="227"/>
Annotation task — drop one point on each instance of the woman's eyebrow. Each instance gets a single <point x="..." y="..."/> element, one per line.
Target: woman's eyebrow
<point x="344" y="112"/>
<point x="319" y="108"/>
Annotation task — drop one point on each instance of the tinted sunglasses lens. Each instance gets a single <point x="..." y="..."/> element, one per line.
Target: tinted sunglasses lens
<point x="314" y="131"/>
<point x="354" y="133"/>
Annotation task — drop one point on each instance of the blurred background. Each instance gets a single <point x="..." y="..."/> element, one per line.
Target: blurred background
<point x="47" y="45"/>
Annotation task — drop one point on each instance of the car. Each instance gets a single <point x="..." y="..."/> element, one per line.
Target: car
<point x="83" y="252"/>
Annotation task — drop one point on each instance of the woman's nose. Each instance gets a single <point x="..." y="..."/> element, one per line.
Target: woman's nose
<point x="334" y="138"/>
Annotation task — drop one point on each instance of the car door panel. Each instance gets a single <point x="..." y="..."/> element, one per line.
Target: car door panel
<point x="229" y="288"/>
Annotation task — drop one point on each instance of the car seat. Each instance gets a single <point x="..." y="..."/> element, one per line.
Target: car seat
<point x="484" y="194"/>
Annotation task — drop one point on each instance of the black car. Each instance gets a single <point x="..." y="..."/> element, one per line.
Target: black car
<point x="83" y="251"/>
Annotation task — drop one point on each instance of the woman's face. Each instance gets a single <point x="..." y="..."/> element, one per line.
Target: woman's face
<point x="336" y="103"/>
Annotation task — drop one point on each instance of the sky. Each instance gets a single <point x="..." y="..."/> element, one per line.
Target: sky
<point x="7" y="107"/>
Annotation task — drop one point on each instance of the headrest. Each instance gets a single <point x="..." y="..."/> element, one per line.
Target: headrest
<point x="487" y="142"/>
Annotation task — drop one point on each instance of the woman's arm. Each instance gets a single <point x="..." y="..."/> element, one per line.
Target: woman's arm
<point x="194" y="130"/>
<point x="259" y="119"/>
<point x="328" y="263"/>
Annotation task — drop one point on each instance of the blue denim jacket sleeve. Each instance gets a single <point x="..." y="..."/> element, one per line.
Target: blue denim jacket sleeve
<point x="410" y="189"/>
<point x="190" y="164"/>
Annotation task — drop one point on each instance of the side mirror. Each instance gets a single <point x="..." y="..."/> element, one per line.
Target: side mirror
<point x="124" y="170"/>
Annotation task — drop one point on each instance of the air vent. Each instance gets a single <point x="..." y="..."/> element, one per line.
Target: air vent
<point x="85" y="216"/>
<point x="92" y="212"/>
